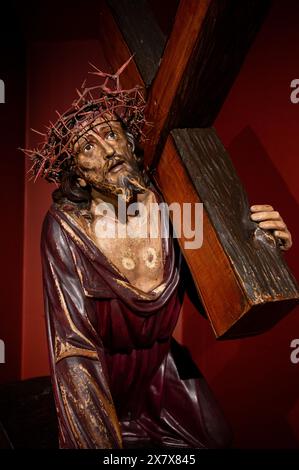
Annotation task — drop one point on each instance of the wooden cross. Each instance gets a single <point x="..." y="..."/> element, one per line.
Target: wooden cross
<point x="240" y="273"/>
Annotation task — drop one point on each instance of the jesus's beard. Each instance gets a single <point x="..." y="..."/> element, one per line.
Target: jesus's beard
<point x="128" y="184"/>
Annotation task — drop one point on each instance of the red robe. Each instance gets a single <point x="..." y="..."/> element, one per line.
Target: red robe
<point x="119" y="378"/>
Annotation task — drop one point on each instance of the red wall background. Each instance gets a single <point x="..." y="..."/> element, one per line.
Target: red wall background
<point x="253" y="379"/>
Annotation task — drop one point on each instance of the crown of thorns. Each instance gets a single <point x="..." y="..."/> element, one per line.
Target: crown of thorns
<point x="54" y="154"/>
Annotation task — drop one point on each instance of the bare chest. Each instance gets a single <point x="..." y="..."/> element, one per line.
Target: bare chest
<point x="137" y="255"/>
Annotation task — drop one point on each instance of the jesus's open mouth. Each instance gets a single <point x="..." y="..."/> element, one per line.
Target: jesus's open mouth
<point x="116" y="166"/>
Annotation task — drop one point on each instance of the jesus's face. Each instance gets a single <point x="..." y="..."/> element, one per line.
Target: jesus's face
<point x="105" y="160"/>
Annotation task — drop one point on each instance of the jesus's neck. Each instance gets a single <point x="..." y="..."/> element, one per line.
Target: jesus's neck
<point x="102" y="204"/>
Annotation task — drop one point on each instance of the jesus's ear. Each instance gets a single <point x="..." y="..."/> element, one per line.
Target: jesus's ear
<point x="82" y="182"/>
<point x="131" y="146"/>
<point x="131" y="141"/>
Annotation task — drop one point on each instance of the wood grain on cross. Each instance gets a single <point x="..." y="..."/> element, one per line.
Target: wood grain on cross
<point x="240" y="274"/>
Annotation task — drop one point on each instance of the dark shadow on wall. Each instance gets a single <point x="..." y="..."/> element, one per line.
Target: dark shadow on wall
<point x="27" y="415"/>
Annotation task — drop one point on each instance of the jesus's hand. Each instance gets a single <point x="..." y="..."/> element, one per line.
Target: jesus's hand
<point x="269" y="219"/>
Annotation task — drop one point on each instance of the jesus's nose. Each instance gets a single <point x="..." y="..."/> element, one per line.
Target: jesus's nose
<point x="107" y="149"/>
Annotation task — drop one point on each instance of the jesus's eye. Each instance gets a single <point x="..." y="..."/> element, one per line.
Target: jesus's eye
<point x="111" y="135"/>
<point x="88" y="147"/>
